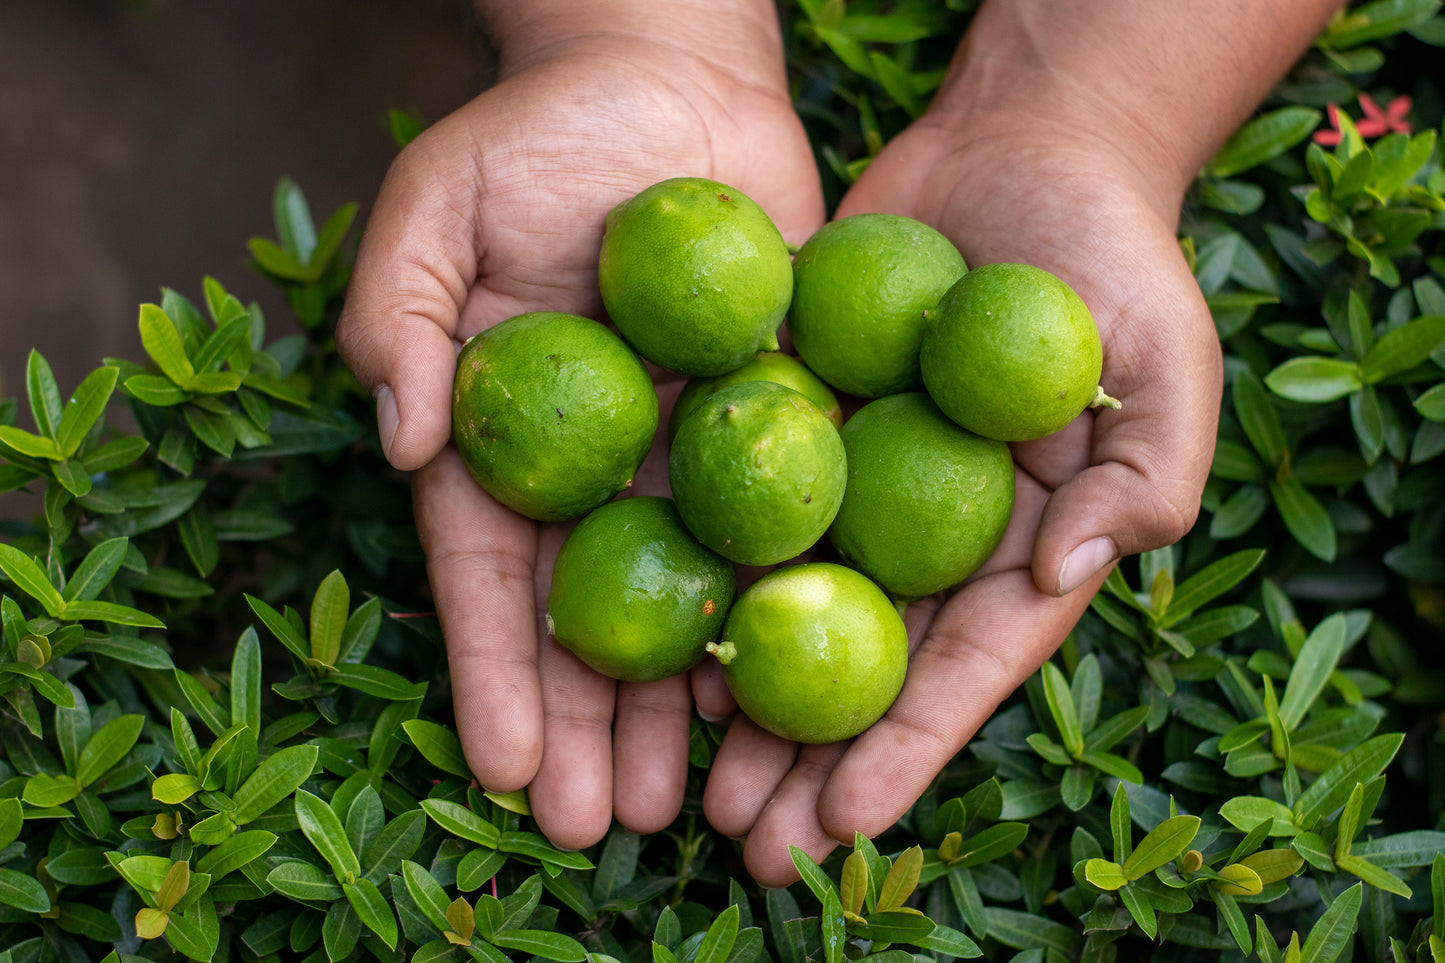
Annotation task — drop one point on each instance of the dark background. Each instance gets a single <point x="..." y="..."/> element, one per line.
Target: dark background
<point x="140" y="143"/>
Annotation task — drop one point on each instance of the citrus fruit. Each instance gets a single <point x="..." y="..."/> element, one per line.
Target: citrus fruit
<point x="552" y="413"/>
<point x="634" y="595"/>
<point x="813" y="652"/>
<point x="784" y="369"/>
<point x="927" y="501"/>
<point x="863" y="287"/>
<point x="757" y="472"/>
<point x="695" y="275"/>
<point x="1012" y="353"/>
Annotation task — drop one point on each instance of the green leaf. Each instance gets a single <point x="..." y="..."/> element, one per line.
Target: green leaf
<point x="110" y="612"/>
<point x="1259" y="420"/>
<point x="174" y="788"/>
<point x="12" y="819"/>
<point x="1332" y="788"/>
<point x="156" y="390"/>
<point x="373" y="910"/>
<point x="1209" y="583"/>
<point x="1402" y="348"/>
<point x="46" y="790"/>
<point x="1141" y="908"/>
<point x="1026" y="931"/>
<point x="1105" y="874"/>
<point x="812" y="874"/>
<point x="96" y="571"/>
<point x="30" y="578"/>
<point x="1119" y="824"/>
<point x="988" y="845"/>
<point x="44" y="395"/>
<point x="1335" y="929"/>
<point x="281" y="628"/>
<point x="1262" y="138"/>
<point x="1417" y="847"/>
<point x="461" y="822"/>
<point x="894" y="926"/>
<point x="1374" y="875"/>
<point x="275" y="779"/>
<point x="108" y="746"/>
<point x="1431" y="403"/>
<point x="1163" y="843"/>
<point x="1305" y="518"/>
<point x="333" y="232"/>
<point x="23" y="892"/>
<point x="901" y="880"/>
<point x="1374" y="21"/>
<point x="162" y="341"/>
<point x="85" y="408"/>
<point x="376" y="681"/>
<point x="722" y="934"/>
<point x="946" y="941"/>
<point x="32" y="446"/>
<point x="320" y="825"/>
<point x="236" y="852"/>
<point x="439" y="745"/>
<point x="1061" y="707"/>
<point x="543" y="943"/>
<point x="1312" y="379"/>
<point x="1316" y="662"/>
<point x="304" y="881"/>
<point x="329" y="609"/>
<point x="273" y="260"/>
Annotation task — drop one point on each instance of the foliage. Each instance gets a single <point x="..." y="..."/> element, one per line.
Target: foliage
<point x="226" y="724"/>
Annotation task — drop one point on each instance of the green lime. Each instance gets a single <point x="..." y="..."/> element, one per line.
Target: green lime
<point x="552" y="413"/>
<point x="1013" y="353"/>
<point x="927" y="501"/>
<point x="863" y="288"/>
<point x="784" y="369"/>
<point x="814" y="652"/>
<point x="634" y="595"/>
<point x="695" y="276"/>
<point x="758" y="472"/>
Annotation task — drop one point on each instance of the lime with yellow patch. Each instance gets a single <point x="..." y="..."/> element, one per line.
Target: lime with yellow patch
<point x="863" y="289"/>
<point x="814" y="652"/>
<point x="758" y="473"/>
<point x="552" y="413"/>
<point x="783" y="369"/>
<point x="634" y="595"/>
<point x="1012" y="353"/>
<point x="695" y="275"/>
<point x="927" y="502"/>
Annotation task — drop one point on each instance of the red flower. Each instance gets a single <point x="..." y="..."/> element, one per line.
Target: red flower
<point x="1375" y="122"/>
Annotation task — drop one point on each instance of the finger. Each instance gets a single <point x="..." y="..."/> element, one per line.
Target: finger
<point x="791" y="819"/>
<point x="1151" y="458"/>
<point x="480" y="558"/>
<point x="649" y="753"/>
<point x="750" y="765"/>
<point x="985" y="642"/>
<point x="572" y="795"/>
<point x="414" y="268"/>
<point x="710" y="691"/>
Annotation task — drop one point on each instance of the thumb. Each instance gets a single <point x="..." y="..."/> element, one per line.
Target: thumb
<point x="1148" y="461"/>
<point x="397" y="331"/>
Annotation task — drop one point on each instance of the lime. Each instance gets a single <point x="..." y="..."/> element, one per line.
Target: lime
<point x="695" y="276"/>
<point x="758" y="472"/>
<point x="927" y="501"/>
<point x="863" y="287"/>
<point x="552" y="413"/>
<point x="1012" y="353"/>
<point x="634" y="595"/>
<point x="814" y="652"/>
<point x="784" y="369"/>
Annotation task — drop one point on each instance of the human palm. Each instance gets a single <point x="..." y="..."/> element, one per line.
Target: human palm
<point x="1106" y="486"/>
<point x="498" y="210"/>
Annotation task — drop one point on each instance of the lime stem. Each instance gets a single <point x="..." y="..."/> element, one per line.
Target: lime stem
<point x="1102" y="400"/>
<point x="725" y="653"/>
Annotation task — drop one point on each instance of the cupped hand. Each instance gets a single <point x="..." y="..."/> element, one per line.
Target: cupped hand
<point x="497" y="210"/>
<point x="1111" y="484"/>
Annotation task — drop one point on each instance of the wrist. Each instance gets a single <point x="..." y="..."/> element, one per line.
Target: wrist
<point x="741" y="38"/>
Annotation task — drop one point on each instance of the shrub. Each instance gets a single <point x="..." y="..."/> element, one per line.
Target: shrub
<point x="227" y="731"/>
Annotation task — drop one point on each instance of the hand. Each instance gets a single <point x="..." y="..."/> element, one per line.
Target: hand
<point x="1109" y="485"/>
<point x="497" y="210"/>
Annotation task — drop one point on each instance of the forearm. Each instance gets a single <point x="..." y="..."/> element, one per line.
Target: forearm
<point x="1169" y="81"/>
<point x="739" y="35"/>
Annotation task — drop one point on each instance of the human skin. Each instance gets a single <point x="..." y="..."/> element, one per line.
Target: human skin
<point x="1065" y="136"/>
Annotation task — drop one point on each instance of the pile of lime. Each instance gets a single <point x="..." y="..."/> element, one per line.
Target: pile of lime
<point x="554" y="413"/>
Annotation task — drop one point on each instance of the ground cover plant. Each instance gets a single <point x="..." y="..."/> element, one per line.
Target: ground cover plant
<point x="226" y="722"/>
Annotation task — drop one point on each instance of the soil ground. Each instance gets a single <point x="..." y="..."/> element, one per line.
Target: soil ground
<point x="140" y="141"/>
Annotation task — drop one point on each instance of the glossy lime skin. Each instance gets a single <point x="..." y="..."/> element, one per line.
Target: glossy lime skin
<point x="1012" y="353"/>
<point x="758" y="473"/>
<point x="863" y="289"/>
<point x="695" y="276"/>
<point x="634" y="595"/>
<point x="767" y="366"/>
<point x="927" y="502"/>
<point x="818" y="652"/>
<point x="552" y="413"/>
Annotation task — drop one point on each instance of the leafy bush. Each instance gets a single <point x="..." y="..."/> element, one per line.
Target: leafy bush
<point x="226" y="726"/>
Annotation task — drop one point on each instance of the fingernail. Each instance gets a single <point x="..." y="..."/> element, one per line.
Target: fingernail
<point x="1084" y="562"/>
<point x="386" y="417"/>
